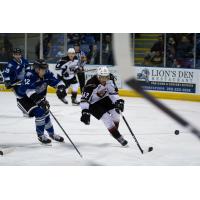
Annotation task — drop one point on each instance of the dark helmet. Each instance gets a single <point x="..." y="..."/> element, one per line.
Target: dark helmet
<point x="41" y="64"/>
<point x="17" y="50"/>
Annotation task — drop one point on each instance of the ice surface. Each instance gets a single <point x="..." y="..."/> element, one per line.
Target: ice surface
<point x="151" y="127"/>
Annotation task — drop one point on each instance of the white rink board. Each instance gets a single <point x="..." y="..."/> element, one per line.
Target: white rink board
<point x="173" y="75"/>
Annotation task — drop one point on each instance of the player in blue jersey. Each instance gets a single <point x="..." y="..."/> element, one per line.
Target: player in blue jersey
<point x="15" y="70"/>
<point x="32" y="99"/>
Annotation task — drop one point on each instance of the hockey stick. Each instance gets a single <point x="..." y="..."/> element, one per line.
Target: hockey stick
<point x="85" y="71"/>
<point x="65" y="134"/>
<point x="123" y="56"/>
<point x="136" y="141"/>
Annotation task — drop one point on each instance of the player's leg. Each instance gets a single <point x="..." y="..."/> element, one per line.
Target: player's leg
<point x="115" y="117"/>
<point x="62" y="92"/>
<point x="110" y="125"/>
<point x="81" y="78"/>
<point x="50" y="130"/>
<point x="40" y="117"/>
<point x="100" y="111"/>
<point x="31" y="109"/>
<point x="74" y="85"/>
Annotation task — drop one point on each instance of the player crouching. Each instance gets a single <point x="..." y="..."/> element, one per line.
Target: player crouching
<point x="32" y="93"/>
<point x="100" y="99"/>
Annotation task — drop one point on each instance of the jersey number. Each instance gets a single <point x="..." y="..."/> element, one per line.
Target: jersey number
<point x="27" y="81"/>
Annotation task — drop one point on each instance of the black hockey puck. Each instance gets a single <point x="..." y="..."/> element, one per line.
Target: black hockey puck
<point x="176" y="132"/>
<point x="150" y="149"/>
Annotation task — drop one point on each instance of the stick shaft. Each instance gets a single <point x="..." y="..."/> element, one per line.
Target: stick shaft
<point x="66" y="134"/>
<point x="136" y="141"/>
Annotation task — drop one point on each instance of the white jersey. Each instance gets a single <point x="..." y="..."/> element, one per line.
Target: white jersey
<point x="69" y="68"/>
<point x="94" y="92"/>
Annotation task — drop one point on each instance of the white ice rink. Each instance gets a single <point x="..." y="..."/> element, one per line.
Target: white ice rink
<point x="151" y="127"/>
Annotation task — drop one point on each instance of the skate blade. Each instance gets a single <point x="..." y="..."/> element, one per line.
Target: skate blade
<point x="5" y="151"/>
<point x="126" y="146"/>
<point x="75" y="104"/>
<point x="46" y="145"/>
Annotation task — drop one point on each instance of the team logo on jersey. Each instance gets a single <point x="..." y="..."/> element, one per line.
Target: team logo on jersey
<point x="101" y="91"/>
<point x="41" y="88"/>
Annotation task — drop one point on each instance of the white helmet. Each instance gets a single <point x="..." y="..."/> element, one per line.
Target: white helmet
<point x="103" y="71"/>
<point x="71" y="50"/>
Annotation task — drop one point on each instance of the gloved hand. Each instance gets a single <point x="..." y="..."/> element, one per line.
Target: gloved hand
<point x="85" y="118"/>
<point x="43" y="103"/>
<point x="119" y="105"/>
<point x="8" y="84"/>
<point x="61" y="92"/>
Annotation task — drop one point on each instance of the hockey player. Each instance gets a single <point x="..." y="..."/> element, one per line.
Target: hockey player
<point x="100" y="99"/>
<point x="32" y="99"/>
<point x="15" y="70"/>
<point x="69" y="67"/>
<point x="82" y="60"/>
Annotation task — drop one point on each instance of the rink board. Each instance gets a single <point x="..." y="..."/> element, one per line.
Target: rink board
<point x="129" y="93"/>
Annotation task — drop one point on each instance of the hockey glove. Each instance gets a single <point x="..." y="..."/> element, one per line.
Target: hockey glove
<point x="61" y="92"/>
<point x="41" y="102"/>
<point x="119" y="105"/>
<point x="8" y="84"/>
<point x="85" y="118"/>
<point x="44" y="104"/>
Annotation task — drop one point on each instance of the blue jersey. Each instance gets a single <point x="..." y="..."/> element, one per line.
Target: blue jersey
<point x="15" y="70"/>
<point x="32" y="83"/>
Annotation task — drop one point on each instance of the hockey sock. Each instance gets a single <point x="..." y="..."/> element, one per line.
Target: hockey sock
<point x="116" y="124"/>
<point x="114" y="132"/>
<point x="39" y="120"/>
<point x="74" y="95"/>
<point x="48" y="125"/>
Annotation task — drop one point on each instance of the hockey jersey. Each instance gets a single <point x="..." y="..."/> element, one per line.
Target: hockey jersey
<point x="32" y="83"/>
<point x="95" y="91"/>
<point x="81" y="56"/>
<point x="68" y="68"/>
<point x="15" y="70"/>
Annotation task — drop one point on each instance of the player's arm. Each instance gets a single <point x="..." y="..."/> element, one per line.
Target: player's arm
<point x="27" y="65"/>
<point x="58" y="84"/>
<point x="59" y="64"/>
<point x="114" y="96"/>
<point x="28" y="87"/>
<point x="87" y="93"/>
<point x="8" y="75"/>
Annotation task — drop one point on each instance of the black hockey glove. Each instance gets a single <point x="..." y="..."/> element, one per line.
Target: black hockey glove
<point x="119" y="105"/>
<point x="61" y="92"/>
<point x="85" y="118"/>
<point x="41" y="102"/>
<point x="44" y="104"/>
<point x="8" y="84"/>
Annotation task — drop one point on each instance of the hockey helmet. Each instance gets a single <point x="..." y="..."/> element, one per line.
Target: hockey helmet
<point x="17" y="50"/>
<point x="103" y="73"/>
<point x="41" y="64"/>
<point x="71" y="50"/>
